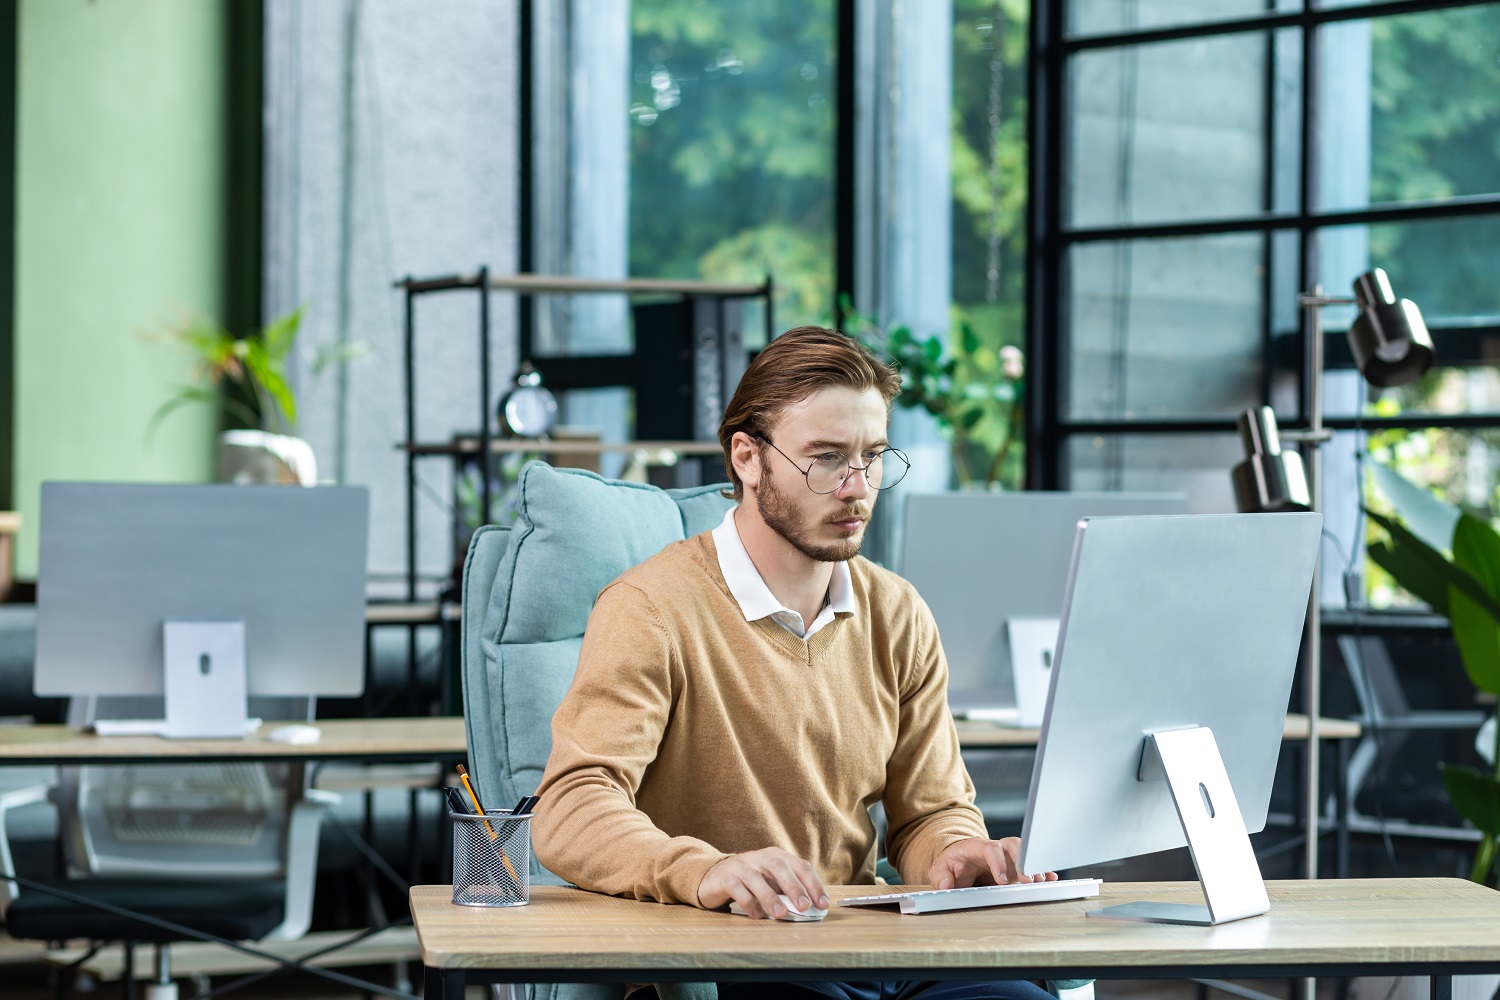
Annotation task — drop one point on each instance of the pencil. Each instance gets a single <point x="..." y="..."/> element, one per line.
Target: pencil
<point x="479" y="810"/>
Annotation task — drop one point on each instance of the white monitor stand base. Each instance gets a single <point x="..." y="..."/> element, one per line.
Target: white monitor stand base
<point x="1232" y="885"/>
<point x="203" y="665"/>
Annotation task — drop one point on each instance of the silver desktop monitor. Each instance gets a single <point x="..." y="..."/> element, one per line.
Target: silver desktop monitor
<point x="982" y="561"/>
<point x="1168" y="697"/>
<point x="268" y="581"/>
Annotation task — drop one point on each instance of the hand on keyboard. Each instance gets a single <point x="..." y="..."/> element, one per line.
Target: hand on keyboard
<point x="976" y="861"/>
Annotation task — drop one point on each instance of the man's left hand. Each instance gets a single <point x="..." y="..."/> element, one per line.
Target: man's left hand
<point x="981" y="862"/>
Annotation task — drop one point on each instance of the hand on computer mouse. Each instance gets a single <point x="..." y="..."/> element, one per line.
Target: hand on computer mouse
<point x="792" y="913"/>
<point x="756" y="879"/>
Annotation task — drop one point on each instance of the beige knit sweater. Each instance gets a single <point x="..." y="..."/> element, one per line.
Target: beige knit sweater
<point x="690" y="734"/>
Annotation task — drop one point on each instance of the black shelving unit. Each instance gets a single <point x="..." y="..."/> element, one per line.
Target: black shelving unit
<point x="689" y="352"/>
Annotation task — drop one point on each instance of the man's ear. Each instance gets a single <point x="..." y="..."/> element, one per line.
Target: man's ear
<point x="744" y="452"/>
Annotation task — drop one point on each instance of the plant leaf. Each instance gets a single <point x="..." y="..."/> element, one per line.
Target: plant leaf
<point x="1426" y="572"/>
<point x="338" y="354"/>
<point x="1476" y="795"/>
<point x="1416" y="566"/>
<point x="1429" y="518"/>
<point x="197" y="394"/>
<point x="281" y="392"/>
<point x="968" y="340"/>
<point x="1476" y="549"/>
<point x="280" y="334"/>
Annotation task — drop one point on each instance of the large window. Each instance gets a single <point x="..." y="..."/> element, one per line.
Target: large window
<point x="1200" y="165"/>
<point x="989" y="163"/>
<point x="731" y="147"/>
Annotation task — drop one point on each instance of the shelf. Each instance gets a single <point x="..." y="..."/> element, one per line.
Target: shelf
<point x="548" y="284"/>
<point x="470" y="446"/>
<point x="1342" y="620"/>
<point x="413" y="613"/>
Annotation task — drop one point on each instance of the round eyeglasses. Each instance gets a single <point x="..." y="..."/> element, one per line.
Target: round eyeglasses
<point x="828" y="471"/>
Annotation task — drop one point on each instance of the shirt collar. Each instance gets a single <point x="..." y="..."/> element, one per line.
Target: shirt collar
<point x="749" y="588"/>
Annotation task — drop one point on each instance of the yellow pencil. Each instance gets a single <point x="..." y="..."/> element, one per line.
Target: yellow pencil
<point x="479" y="809"/>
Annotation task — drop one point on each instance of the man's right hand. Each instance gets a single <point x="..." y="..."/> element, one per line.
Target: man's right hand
<point x="754" y="878"/>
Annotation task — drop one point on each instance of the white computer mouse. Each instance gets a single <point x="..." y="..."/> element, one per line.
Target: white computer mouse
<point x="297" y="734"/>
<point x="792" y="913"/>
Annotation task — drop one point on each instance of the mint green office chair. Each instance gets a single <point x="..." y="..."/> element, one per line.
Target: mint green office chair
<point x="527" y="593"/>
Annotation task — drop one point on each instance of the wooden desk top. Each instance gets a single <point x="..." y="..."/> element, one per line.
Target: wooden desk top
<point x="979" y="733"/>
<point x="388" y="740"/>
<point x="1398" y="924"/>
<point x="394" y="740"/>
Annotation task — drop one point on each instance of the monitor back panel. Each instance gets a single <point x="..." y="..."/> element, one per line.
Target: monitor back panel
<point x="119" y="559"/>
<point x="981" y="559"/>
<point x="1170" y="623"/>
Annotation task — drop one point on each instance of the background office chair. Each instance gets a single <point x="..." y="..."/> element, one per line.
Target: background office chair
<point x="1388" y="721"/>
<point x="223" y="849"/>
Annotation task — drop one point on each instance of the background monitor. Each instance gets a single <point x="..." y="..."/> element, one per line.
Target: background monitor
<point x="1170" y="623"/>
<point x="982" y="559"/>
<point x="119" y="560"/>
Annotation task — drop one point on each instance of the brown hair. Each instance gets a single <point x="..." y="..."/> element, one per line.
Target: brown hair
<point x="800" y="362"/>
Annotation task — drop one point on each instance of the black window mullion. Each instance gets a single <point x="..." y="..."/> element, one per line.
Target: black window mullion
<point x="1465" y="206"/>
<point x="1308" y="18"/>
<point x="1051" y="240"/>
<point x="1047" y="314"/>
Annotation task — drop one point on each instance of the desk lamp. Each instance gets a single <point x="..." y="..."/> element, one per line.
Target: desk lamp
<point x="1269" y="480"/>
<point x="1391" y="347"/>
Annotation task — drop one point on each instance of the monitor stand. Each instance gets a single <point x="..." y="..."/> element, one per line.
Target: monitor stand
<point x="1188" y="760"/>
<point x="203" y="665"/>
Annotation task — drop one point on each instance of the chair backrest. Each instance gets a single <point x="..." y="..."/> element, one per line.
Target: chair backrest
<point x="527" y="593"/>
<point x="184" y="821"/>
<point x="1373" y="675"/>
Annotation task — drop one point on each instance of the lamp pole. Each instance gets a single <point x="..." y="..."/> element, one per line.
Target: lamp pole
<point x="1312" y="441"/>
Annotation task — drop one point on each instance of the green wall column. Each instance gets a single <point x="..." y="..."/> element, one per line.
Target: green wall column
<point x="119" y="233"/>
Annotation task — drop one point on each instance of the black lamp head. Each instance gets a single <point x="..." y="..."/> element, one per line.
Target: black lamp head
<point x="1269" y="480"/>
<point x="1389" y="338"/>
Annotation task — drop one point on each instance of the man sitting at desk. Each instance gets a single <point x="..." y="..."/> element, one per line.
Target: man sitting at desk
<point x="745" y="696"/>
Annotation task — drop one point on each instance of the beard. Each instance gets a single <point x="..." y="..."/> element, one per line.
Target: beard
<point x="783" y="517"/>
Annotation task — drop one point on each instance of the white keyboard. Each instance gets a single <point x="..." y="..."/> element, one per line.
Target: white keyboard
<point x="146" y="727"/>
<point x="937" y="900"/>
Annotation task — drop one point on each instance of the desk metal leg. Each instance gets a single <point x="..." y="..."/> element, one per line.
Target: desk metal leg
<point x="443" y="984"/>
<point x="1341" y="806"/>
<point x="1442" y="988"/>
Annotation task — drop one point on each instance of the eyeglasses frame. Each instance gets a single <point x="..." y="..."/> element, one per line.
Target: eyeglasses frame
<point x="851" y="470"/>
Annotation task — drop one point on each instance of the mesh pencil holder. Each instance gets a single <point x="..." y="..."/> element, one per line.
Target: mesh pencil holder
<point x="491" y="859"/>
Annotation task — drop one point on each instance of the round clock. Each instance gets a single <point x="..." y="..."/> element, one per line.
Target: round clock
<point x="528" y="409"/>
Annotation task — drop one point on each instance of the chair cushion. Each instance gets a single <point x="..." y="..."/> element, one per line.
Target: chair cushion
<point x="237" y="910"/>
<point x="528" y="590"/>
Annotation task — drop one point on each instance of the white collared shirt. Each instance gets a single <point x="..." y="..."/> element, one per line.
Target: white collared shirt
<point x="756" y="600"/>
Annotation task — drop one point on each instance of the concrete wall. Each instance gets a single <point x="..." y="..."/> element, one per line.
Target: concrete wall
<point x="391" y="150"/>
<point x="118" y="233"/>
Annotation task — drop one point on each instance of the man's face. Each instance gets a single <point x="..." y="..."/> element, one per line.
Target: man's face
<point x="826" y="527"/>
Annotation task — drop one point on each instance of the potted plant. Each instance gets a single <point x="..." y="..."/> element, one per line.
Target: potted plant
<point x="245" y="377"/>
<point x="973" y="386"/>
<point x="1451" y="560"/>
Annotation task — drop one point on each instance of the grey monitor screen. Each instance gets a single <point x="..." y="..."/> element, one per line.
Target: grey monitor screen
<point x="118" y="560"/>
<point x="1170" y="623"/>
<point x="979" y="560"/>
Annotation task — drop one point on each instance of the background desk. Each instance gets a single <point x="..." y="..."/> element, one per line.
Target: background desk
<point x="979" y="733"/>
<point x="374" y="740"/>
<point x="1437" y="927"/>
<point x="378" y="741"/>
<point x="395" y="740"/>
